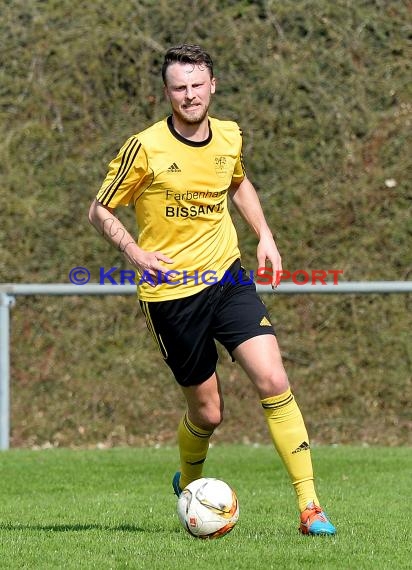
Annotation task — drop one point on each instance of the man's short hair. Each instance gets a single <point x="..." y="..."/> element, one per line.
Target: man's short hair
<point x="187" y="53"/>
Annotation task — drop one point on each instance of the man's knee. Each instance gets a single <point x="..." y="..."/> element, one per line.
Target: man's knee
<point x="273" y="383"/>
<point x="206" y="416"/>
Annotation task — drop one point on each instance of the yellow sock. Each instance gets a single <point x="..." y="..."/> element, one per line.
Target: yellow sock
<point x="193" y="446"/>
<point x="290" y="438"/>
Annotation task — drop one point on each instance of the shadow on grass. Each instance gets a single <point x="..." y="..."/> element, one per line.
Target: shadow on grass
<point x="73" y="527"/>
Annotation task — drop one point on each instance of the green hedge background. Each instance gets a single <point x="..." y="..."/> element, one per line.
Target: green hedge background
<point x="322" y="92"/>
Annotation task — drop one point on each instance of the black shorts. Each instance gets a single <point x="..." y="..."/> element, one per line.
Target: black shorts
<point x="185" y="329"/>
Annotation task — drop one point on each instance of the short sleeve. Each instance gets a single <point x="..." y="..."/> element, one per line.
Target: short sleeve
<point x="239" y="172"/>
<point x="127" y="176"/>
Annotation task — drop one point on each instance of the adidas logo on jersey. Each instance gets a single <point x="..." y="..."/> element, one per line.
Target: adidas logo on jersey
<point x="174" y="168"/>
<point x="304" y="446"/>
<point x="265" y="322"/>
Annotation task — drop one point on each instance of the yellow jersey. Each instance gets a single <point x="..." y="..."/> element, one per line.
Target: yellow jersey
<point x="179" y="189"/>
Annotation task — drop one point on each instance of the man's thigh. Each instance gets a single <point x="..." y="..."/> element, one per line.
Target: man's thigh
<point x="240" y="315"/>
<point x="181" y="330"/>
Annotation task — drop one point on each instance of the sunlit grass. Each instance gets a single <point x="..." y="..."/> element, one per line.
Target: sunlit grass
<point x="115" y="509"/>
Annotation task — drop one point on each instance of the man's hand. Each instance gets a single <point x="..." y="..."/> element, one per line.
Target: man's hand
<point x="267" y="251"/>
<point x="148" y="263"/>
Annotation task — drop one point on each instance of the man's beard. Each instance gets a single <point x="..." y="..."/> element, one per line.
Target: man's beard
<point x="191" y="118"/>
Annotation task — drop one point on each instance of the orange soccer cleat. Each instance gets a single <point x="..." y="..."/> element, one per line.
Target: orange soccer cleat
<point x="315" y="521"/>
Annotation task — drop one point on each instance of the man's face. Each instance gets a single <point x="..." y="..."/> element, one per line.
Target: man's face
<point x="189" y="88"/>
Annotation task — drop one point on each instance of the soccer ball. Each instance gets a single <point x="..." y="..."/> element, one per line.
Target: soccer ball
<point x="208" y="508"/>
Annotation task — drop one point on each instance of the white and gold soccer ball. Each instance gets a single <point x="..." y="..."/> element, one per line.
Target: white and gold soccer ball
<point x="208" y="508"/>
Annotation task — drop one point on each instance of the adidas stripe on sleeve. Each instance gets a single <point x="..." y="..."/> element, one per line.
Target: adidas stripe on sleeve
<point x="127" y="176"/>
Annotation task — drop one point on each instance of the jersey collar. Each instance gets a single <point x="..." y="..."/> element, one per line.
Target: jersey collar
<point x="187" y="141"/>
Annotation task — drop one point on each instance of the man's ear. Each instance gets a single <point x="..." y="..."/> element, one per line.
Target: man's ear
<point x="213" y="85"/>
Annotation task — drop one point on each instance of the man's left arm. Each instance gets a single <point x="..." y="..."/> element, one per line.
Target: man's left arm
<point x="246" y="201"/>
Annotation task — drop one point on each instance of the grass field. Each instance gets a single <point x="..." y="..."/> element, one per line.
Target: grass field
<point x="115" y="509"/>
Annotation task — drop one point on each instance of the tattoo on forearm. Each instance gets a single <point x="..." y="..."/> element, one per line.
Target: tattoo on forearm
<point x="122" y="248"/>
<point x="112" y="232"/>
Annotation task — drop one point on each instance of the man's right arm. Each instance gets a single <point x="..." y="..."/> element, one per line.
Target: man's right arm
<point x="112" y="229"/>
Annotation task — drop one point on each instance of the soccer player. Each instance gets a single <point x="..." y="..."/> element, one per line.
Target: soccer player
<point x="178" y="174"/>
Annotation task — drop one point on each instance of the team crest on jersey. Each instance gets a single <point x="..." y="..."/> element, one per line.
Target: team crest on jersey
<point x="221" y="165"/>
